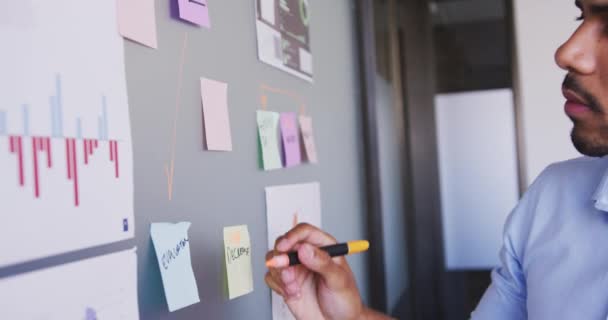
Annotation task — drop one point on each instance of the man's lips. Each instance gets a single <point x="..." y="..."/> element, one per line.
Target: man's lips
<point x="575" y="105"/>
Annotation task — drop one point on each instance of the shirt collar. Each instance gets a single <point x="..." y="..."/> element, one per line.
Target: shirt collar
<point x="600" y="197"/>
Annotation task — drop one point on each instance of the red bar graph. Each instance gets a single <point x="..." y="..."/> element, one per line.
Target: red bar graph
<point x="43" y="145"/>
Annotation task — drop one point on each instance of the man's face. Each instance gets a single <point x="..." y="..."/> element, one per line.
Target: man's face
<point x="585" y="57"/>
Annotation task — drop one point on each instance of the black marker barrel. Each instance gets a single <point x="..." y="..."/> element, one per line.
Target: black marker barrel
<point x="335" y="250"/>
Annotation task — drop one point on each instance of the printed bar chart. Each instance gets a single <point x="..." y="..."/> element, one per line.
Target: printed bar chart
<point x="42" y="143"/>
<point x="66" y="159"/>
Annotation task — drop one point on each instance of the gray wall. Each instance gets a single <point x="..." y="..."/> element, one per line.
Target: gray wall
<point x="214" y="190"/>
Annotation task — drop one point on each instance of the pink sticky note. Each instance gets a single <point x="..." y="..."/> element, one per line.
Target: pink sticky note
<point x="137" y="21"/>
<point x="215" y="110"/>
<point x="291" y="139"/>
<point x="195" y="11"/>
<point x="309" y="139"/>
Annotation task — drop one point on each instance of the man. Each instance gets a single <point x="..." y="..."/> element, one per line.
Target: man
<point x="554" y="259"/>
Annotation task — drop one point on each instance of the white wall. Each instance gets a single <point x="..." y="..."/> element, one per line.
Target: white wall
<point x="541" y="26"/>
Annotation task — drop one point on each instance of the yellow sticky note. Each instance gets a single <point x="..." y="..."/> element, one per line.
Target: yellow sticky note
<point x="238" y="261"/>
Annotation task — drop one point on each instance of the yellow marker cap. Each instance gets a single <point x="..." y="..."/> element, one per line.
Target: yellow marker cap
<point x="357" y="246"/>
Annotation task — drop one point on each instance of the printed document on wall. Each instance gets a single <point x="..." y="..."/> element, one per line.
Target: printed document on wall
<point x="75" y="290"/>
<point x="283" y="30"/>
<point x="286" y="206"/>
<point x="65" y="138"/>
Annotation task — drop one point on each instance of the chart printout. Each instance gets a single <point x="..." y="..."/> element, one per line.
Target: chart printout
<point x="66" y="168"/>
<point x="103" y="287"/>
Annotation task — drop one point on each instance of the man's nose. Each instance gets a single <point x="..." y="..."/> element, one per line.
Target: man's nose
<point x="578" y="54"/>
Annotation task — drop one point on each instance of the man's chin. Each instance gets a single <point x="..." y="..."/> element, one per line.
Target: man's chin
<point x="589" y="144"/>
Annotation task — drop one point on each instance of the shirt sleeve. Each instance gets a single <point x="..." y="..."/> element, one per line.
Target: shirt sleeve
<point x="505" y="298"/>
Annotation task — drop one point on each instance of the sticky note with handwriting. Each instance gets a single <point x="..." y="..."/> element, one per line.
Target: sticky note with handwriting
<point x="291" y="139"/>
<point x="172" y="247"/>
<point x="238" y="261"/>
<point x="309" y="139"/>
<point x="268" y="131"/>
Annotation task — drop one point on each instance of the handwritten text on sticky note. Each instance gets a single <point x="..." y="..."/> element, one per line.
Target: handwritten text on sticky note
<point x="238" y="261"/>
<point x="291" y="139"/>
<point x="268" y="130"/>
<point x="309" y="139"/>
<point x="172" y="247"/>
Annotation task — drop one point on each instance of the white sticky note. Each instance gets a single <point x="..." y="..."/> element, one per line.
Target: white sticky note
<point x="237" y="247"/>
<point x="214" y="95"/>
<point x="286" y="206"/>
<point x="309" y="139"/>
<point x="137" y="21"/>
<point x="172" y="247"/>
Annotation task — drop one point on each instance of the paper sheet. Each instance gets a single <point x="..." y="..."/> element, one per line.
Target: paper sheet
<point x="283" y="36"/>
<point x="286" y="206"/>
<point x="291" y="139"/>
<point x="309" y="139"/>
<point x="103" y="287"/>
<point x="172" y="247"/>
<point x="215" y="111"/>
<point x="65" y="110"/>
<point x="137" y="21"/>
<point x="268" y="131"/>
<point x="237" y="248"/>
<point x="195" y="11"/>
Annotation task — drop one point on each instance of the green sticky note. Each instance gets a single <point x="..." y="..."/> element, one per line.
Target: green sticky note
<point x="172" y="247"/>
<point x="268" y="132"/>
<point x="238" y="261"/>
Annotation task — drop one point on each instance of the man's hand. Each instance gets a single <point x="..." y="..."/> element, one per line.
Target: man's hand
<point x="321" y="287"/>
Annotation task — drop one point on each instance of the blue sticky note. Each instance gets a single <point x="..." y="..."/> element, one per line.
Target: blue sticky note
<point x="172" y="247"/>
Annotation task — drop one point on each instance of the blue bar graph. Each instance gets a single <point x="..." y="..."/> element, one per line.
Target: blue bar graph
<point x="56" y="116"/>
<point x="25" y="111"/>
<point x="3" y="128"/>
<point x="56" y="104"/>
<point x="79" y="128"/>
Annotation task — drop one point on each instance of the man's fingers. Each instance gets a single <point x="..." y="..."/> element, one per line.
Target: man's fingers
<point x="286" y="285"/>
<point x="303" y="232"/>
<point x="274" y="272"/>
<point x="318" y="261"/>
<point x="272" y="284"/>
<point x="276" y="242"/>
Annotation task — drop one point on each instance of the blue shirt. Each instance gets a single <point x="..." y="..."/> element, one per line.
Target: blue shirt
<point x="555" y="251"/>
